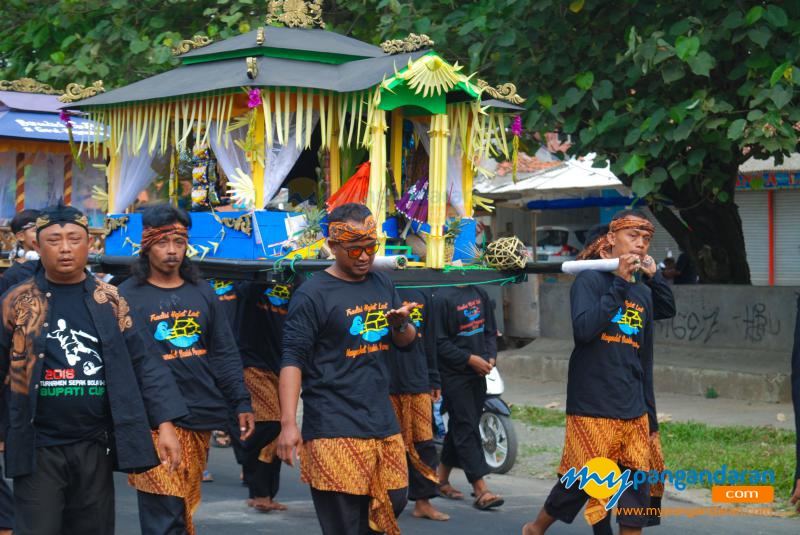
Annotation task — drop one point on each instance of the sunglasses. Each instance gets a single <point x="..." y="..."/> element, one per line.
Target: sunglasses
<point x="356" y="252"/>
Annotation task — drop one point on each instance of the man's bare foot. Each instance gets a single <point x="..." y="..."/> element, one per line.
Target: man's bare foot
<point x="267" y="504"/>
<point x="531" y="529"/>
<point x="424" y="509"/>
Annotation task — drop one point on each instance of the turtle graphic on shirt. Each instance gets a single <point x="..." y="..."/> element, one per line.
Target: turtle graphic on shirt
<point x="415" y="317"/>
<point x="629" y="322"/>
<point x="75" y="349"/>
<point x="278" y="295"/>
<point x="472" y="313"/>
<point x="184" y="332"/>
<point x="371" y="329"/>
<point x="221" y="287"/>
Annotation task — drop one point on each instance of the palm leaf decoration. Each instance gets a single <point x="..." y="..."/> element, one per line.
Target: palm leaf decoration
<point x="242" y="190"/>
<point x="100" y="196"/>
<point x="431" y="74"/>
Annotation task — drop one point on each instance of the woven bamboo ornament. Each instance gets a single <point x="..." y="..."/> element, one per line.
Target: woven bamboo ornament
<point x="506" y="254"/>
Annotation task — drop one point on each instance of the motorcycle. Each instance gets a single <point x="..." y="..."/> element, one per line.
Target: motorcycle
<point x="498" y="437"/>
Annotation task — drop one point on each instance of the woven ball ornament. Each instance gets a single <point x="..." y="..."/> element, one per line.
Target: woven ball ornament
<point x="506" y="254"/>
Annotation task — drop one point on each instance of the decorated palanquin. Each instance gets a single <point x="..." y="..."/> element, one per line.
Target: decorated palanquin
<point x="248" y="108"/>
<point x="38" y="163"/>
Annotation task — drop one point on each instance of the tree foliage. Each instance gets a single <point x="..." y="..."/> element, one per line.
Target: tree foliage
<point x="676" y="95"/>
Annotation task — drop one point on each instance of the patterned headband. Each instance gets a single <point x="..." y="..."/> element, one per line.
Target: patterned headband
<point x="60" y="218"/>
<point x="344" y="231"/>
<point x="602" y="245"/>
<point x="152" y="235"/>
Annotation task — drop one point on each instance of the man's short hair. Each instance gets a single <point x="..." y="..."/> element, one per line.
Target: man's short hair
<point x="630" y="212"/>
<point x="351" y="211"/>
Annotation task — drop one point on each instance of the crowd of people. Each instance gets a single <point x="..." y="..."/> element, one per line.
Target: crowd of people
<point x="135" y="375"/>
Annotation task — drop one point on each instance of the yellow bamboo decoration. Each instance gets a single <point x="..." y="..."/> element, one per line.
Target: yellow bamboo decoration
<point x="397" y="149"/>
<point x="335" y="160"/>
<point x="342" y="101"/>
<point x="467" y="176"/>
<point x="287" y="107"/>
<point x="256" y="164"/>
<point x="437" y="191"/>
<point x="299" y="112"/>
<point x="376" y="194"/>
<point x="266" y="105"/>
<point x="279" y="118"/>
<point x="323" y="119"/>
<point x="113" y="180"/>
<point x="309" y="118"/>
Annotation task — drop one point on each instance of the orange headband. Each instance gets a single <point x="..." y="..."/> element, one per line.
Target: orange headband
<point x="151" y="235"/>
<point x="601" y="246"/>
<point x="343" y="231"/>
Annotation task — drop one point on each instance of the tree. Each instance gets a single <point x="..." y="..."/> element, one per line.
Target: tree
<point x="676" y="95"/>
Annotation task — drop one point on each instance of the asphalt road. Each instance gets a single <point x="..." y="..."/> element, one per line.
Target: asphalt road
<point x="223" y="511"/>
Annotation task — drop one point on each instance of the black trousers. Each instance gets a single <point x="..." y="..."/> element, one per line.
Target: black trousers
<point x="565" y="503"/>
<point x="6" y="505"/>
<point x="464" y="397"/>
<point x="160" y="514"/>
<point x="348" y="514"/>
<point x="71" y="492"/>
<point x="262" y="479"/>
<point x="419" y="486"/>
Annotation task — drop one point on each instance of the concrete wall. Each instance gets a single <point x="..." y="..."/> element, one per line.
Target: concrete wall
<point x="708" y="316"/>
<point x="521" y="304"/>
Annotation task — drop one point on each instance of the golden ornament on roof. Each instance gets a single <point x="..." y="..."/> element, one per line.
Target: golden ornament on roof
<point x="252" y="68"/>
<point x="27" y="85"/>
<point x="507" y="92"/>
<point x="198" y="41"/>
<point x="75" y="91"/>
<point x="296" y="13"/>
<point x="260" y="36"/>
<point x="412" y="43"/>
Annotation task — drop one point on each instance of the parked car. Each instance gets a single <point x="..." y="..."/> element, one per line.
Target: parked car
<point x="557" y="244"/>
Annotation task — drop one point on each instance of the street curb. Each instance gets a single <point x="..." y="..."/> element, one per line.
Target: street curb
<point x="769" y="387"/>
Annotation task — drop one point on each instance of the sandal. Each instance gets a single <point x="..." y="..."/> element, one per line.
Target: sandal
<point x="208" y="477"/>
<point x="448" y="491"/>
<point x="220" y="439"/>
<point x="487" y="500"/>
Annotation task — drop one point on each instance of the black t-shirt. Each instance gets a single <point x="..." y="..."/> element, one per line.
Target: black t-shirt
<point x="72" y="404"/>
<point x="610" y="369"/>
<point x="336" y="332"/>
<point x="190" y="332"/>
<point x="262" y="313"/>
<point x="228" y="298"/>
<point x="415" y="371"/>
<point x="465" y="325"/>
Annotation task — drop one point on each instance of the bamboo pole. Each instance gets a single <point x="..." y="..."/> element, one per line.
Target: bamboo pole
<point x="437" y="191"/>
<point x="376" y="195"/>
<point x="335" y="158"/>
<point x="397" y="150"/>
<point x="256" y="165"/>
<point x="467" y="173"/>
